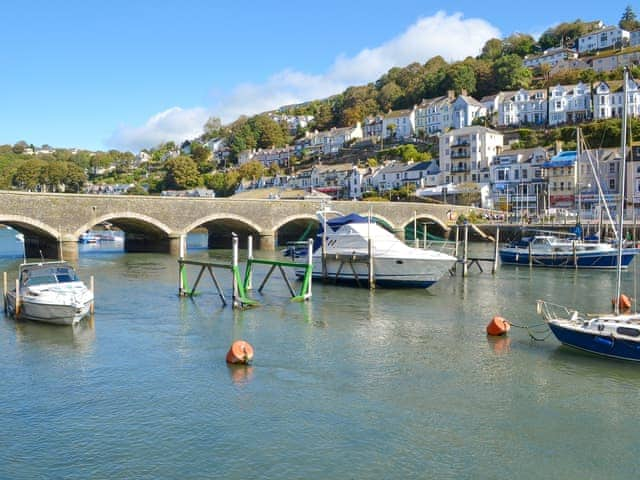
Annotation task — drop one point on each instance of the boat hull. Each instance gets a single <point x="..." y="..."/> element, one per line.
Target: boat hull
<point x="388" y="272"/>
<point x="591" y="342"/>
<point x="600" y="260"/>
<point x="49" y="313"/>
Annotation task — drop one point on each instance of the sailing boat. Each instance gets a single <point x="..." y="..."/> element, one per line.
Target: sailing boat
<point x="614" y="335"/>
<point x="543" y="248"/>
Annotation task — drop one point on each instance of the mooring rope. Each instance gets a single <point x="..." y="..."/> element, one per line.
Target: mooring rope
<point x="546" y="332"/>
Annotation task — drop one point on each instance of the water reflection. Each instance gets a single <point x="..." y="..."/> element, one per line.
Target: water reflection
<point x="499" y="345"/>
<point x="80" y="336"/>
<point x="240" y="374"/>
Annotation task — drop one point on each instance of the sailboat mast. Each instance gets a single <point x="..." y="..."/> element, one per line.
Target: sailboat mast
<point x="622" y="176"/>
<point x="576" y="178"/>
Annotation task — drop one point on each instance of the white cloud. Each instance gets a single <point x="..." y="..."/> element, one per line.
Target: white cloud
<point x="450" y="36"/>
<point x="175" y="124"/>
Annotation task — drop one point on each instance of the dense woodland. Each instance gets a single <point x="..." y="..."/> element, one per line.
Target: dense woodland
<point x="499" y="67"/>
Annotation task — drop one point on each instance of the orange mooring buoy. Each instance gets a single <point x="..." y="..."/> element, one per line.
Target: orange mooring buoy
<point x="240" y="352"/>
<point x="498" y="326"/>
<point x="624" y="302"/>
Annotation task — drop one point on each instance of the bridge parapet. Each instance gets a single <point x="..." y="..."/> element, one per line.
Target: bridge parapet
<point x="156" y="222"/>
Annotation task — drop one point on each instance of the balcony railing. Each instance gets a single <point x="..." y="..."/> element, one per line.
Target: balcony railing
<point x="460" y="169"/>
<point x="461" y="155"/>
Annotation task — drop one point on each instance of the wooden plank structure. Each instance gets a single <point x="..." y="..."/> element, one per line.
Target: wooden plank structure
<point x="466" y="261"/>
<point x="242" y="283"/>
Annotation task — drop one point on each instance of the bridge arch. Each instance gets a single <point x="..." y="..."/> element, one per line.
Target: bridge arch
<point x="129" y="222"/>
<point x="295" y="228"/>
<point x="40" y="239"/>
<point x="221" y="226"/>
<point x="29" y="225"/>
<point x="424" y="216"/>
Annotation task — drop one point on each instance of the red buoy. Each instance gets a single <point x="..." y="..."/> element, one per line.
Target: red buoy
<point x="624" y="302"/>
<point x="240" y="352"/>
<point x="498" y="326"/>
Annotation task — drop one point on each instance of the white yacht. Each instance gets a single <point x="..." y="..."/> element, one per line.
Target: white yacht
<point x="394" y="263"/>
<point x="50" y="292"/>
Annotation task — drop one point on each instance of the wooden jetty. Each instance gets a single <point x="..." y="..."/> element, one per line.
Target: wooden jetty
<point x="241" y="284"/>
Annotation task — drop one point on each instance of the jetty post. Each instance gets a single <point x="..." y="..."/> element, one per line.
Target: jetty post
<point x="465" y="254"/>
<point x="93" y="301"/>
<point x="4" y="291"/>
<point x="249" y="280"/>
<point x="324" y="247"/>
<point x="235" y="274"/>
<point x="17" y="309"/>
<point x="496" y="252"/>
<point x="424" y="234"/>
<point x="415" y="230"/>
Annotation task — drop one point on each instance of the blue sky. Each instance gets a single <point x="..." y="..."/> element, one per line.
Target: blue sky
<point x="131" y="74"/>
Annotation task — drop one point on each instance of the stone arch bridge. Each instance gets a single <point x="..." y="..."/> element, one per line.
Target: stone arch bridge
<point x="52" y="223"/>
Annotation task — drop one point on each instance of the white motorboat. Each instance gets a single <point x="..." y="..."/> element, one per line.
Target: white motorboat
<point x="548" y="249"/>
<point x="394" y="264"/>
<point x="50" y="292"/>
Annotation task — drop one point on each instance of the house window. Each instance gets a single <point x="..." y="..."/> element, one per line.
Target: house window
<point x="612" y="184"/>
<point x="561" y="186"/>
<point x="612" y="168"/>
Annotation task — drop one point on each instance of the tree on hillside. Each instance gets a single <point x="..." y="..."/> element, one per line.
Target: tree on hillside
<point x="268" y="132"/>
<point x="492" y="49"/>
<point x="75" y="177"/>
<point x="28" y="174"/>
<point x="565" y="34"/>
<point x="460" y="76"/>
<point x="182" y="173"/>
<point x="224" y="184"/>
<point x="434" y="76"/>
<point x="200" y="153"/>
<point x="212" y="128"/>
<point x="629" y="20"/>
<point x="520" y="44"/>
<point x="510" y="73"/>
<point x="388" y="95"/>
<point x="251" y="170"/>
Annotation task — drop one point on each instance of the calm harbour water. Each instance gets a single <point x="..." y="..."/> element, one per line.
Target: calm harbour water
<point x="353" y="384"/>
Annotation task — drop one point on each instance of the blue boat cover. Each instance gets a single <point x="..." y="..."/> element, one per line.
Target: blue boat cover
<point x="337" y="222"/>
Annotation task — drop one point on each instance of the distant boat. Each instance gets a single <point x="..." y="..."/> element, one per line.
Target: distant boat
<point x="548" y="249"/>
<point x="88" y="237"/>
<point x="50" y="292"/>
<point x="20" y="237"/>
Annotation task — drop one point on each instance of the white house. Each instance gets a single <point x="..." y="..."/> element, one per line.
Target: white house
<point x="268" y="156"/>
<point x="615" y="60"/>
<point x="399" y="123"/>
<point x="332" y="179"/>
<point x="608" y="97"/>
<point x="466" y="153"/>
<point x="528" y="107"/>
<point x="569" y="104"/>
<point x="634" y="38"/>
<point x="329" y="141"/>
<point x="465" y="110"/>
<point x="551" y="57"/>
<point x="606" y="37"/>
<point x="433" y="115"/>
<point x="372" y="127"/>
<point x="517" y="180"/>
